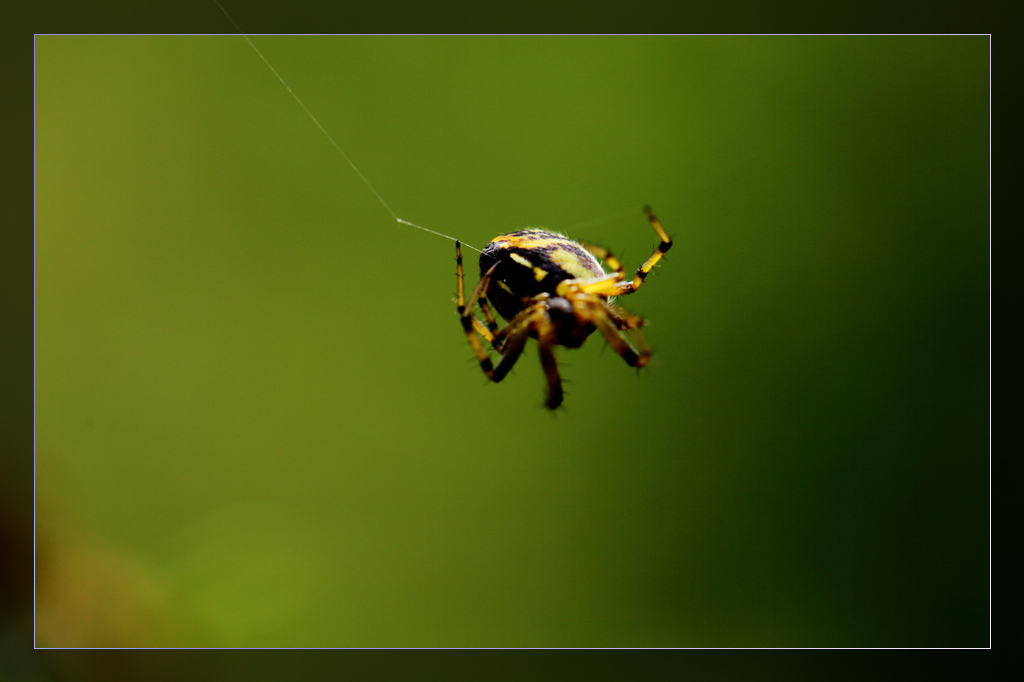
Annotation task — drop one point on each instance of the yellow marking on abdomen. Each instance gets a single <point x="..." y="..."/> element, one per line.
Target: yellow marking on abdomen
<point x="522" y="261"/>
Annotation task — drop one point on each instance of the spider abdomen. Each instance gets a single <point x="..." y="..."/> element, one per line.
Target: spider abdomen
<point x="531" y="262"/>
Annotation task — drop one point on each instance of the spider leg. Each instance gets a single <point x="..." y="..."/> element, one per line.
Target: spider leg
<point x="622" y="318"/>
<point x="661" y="250"/>
<point x="481" y="329"/>
<point x="512" y="340"/>
<point x="605" y="255"/>
<point x="490" y="331"/>
<point x="492" y="325"/>
<point x="609" y="322"/>
<point x="517" y="331"/>
<point x="509" y="341"/>
<point x="480" y="286"/>
<point x="467" y="318"/>
<point x="613" y="284"/>
<point x="607" y="285"/>
<point x="546" y="340"/>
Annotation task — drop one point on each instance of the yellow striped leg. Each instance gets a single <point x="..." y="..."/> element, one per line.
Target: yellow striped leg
<point x="509" y="341"/>
<point x="622" y="318"/>
<point x="612" y="284"/>
<point x="492" y="325"/>
<point x="610" y="330"/>
<point x="517" y="331"/>
<point x="605" y="255"/>
<point x="663" y="247"/>
<point x="466" y="316"/>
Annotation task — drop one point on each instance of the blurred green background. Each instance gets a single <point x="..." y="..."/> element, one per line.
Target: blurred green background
<point x="258" y="422"/>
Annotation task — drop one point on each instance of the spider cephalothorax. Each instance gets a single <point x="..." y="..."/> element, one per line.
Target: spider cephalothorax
<point x="552" y="289"/>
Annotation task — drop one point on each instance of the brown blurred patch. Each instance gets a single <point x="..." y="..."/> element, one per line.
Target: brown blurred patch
<point x="94" y="596"/>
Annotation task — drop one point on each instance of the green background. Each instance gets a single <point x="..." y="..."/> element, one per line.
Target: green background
<point x="258" y="422"/>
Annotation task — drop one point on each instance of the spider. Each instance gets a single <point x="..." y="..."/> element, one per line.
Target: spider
<point x="552" y="289"/>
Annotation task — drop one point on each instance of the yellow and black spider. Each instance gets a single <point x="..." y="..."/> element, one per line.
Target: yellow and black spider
<point x="552" y="289"/>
